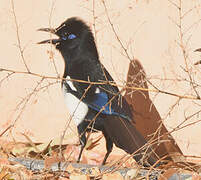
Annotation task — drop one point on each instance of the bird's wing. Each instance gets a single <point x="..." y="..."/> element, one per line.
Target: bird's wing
<point x="100" y="102"/>
<point x="108" y="98"/>
<point x="102" y="97"/>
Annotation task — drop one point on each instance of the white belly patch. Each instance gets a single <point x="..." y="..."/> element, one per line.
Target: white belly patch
<point x="77" y="109"/>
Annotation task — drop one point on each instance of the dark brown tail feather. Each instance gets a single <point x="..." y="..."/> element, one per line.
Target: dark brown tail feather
<point x="145" y="113"/>
<point x="125" y="136"/>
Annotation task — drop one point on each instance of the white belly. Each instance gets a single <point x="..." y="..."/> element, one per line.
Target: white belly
<point x="77" y="109"/>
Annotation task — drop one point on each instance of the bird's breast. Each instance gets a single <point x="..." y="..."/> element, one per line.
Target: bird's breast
<point x="77" y="109"/>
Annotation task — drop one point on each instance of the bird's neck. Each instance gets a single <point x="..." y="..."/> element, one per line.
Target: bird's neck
<point x="76" y="59"/>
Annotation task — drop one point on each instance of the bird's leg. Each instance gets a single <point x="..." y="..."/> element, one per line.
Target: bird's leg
<point x="109" y="146"/>
<point x="83" y="140"/>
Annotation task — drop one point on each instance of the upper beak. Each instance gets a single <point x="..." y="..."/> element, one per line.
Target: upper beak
<point x="198" y="50"/>
<point x="52" y="41"/>
<point x="51" y="30"/>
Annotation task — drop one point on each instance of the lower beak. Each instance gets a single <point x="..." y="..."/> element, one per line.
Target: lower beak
<point x="51" y="41"/>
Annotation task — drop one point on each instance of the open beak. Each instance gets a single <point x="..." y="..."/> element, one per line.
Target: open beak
<point x="51" y="41"/>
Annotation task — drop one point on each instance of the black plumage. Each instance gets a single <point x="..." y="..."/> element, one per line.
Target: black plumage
<point x="96" y="102"/>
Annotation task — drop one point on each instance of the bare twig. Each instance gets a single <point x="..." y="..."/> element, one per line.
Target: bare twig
<point x="115" y="33"/>
<point x="21" y="49"/>
<point x="183" y="48"/>
<point x="51" y="47"/>
<point x="103" y="82"/>
<point x="26" y="100"/>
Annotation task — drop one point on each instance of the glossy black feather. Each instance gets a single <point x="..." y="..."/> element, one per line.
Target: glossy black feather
<point x="82" y="63"/>
<point x="77" y="46"/>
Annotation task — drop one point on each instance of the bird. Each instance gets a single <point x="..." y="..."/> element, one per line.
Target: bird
<point x="91" y="95"/>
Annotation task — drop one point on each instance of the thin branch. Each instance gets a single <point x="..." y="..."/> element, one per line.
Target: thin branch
<point x="185" y="56"/>
<point x="51" y="46"/>
<point x="115" y="33"/>
<point x="103" y="82"/>
<point x="173" y="3"/>
<point x="6" y="77"/>
<point x="21" y="49"/>
<point x="26" y="102"/>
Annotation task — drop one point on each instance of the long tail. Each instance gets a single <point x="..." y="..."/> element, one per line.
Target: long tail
<point x="125" y="136"/>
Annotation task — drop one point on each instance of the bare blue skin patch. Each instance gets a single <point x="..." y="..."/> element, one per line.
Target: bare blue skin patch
<point x="70" y="36"/>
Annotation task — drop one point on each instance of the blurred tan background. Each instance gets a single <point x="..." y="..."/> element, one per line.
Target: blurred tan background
<point x="155" y="32"/>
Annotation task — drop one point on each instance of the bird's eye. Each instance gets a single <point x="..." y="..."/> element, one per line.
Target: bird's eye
<point x="71" y="36"/>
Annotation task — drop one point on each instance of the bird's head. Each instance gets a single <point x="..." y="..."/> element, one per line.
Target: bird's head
<point x="72" y="34"/>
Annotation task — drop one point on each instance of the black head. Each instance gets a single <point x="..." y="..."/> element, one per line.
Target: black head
<point x="73" y="34"/>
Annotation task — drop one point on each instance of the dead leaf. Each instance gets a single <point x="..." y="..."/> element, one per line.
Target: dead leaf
<point x="167" y="174"/>
<point x="195" y="177"/>
<point x="16" y="171"/>
<point x="4" y="161"/>
<point x="72" y="152"/>
<point x="198" y="62"/>
<point x="198" y="50"/>
<point x="53" y="159"/>
<point x="91" y="144"/>
<point x="19" y="150"/>
<point x="4" y="173"/>
<point x="79" y="177"/>
<point x="131" y="174"/>
<point x="95" y="171"/>
<point x="113" y="176"/>
<point x="92" y="157"/>
<point x="70" y="168"/>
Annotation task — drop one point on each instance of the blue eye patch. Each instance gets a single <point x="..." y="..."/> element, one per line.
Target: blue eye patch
<point x="70" y="36"/>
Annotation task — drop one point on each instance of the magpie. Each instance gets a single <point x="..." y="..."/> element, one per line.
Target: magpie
<point x="91" y="95"/>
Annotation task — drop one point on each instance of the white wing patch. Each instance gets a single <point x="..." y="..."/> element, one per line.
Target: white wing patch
<point x="97" y="90"/>
<point x="77" y="109"/>
<point x="70" y="84"/>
